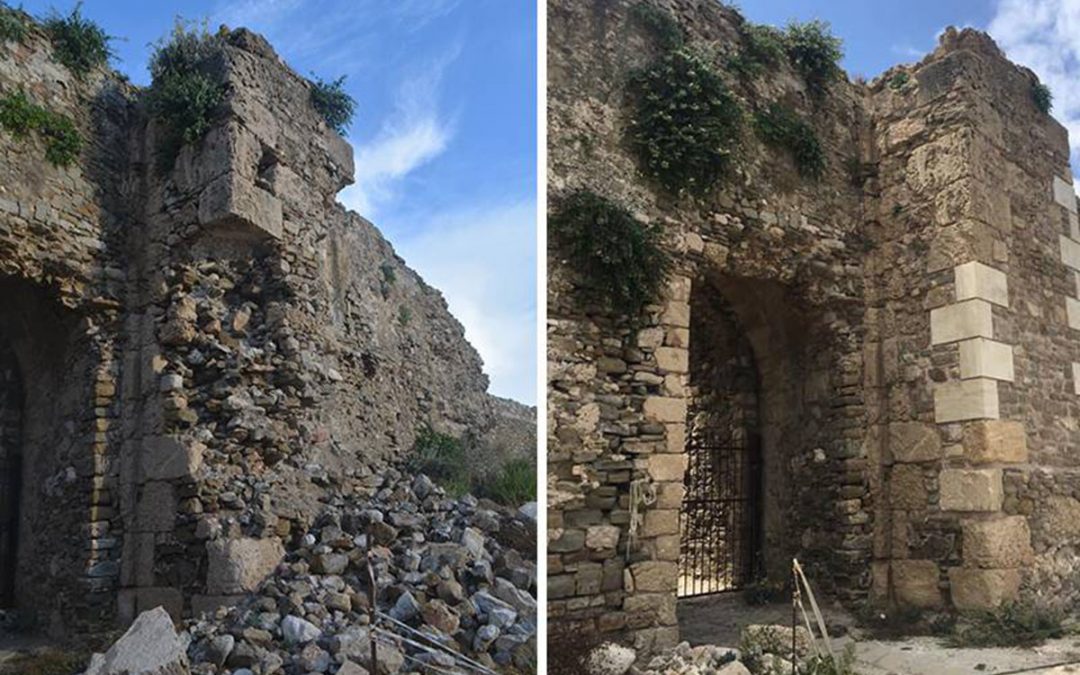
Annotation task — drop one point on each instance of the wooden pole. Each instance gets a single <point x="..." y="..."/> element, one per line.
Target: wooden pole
<point x="794" y="617"/>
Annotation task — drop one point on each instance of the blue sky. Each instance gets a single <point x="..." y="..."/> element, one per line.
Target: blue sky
<point x="1043" y="35"/>
<point x="444" y="136"/>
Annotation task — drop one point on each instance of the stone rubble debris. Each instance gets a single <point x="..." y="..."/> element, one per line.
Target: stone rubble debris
<point x="449" y="593"/>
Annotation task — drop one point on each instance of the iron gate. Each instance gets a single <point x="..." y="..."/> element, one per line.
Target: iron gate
<point x="719" y="522"/>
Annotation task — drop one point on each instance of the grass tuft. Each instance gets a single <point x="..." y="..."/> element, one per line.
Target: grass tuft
<point x="12" y="24"/>
<point x="78" y="43"/>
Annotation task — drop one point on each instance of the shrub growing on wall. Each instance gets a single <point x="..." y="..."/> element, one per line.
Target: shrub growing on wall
<point x="781" y="127"/>
<point x="332" y="103"/>
<point x="20" y="117"/>
<point x="1040" y="94"/>
<point x="660" y="23"/>
<point x="762" y="48"/>
<point x="187" y="89"/>
<point x="814" y="52"/>
<point x="620" y="260"/>
<point x="78" y="43"/>
<point x="685" y="123"/>
<point x="12" y="24"/>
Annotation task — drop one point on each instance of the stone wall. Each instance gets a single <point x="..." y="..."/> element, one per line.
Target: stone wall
<point x="205" y="347"/>
<point x="909" y="315"/>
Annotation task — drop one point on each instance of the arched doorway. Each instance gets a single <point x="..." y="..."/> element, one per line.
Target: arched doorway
<point x="11" y="440"/>
<point x="720" y="519"/>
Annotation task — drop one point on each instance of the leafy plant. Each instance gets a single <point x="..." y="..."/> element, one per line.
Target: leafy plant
<point x="78" y="43"/>
<point x="12" y="24"/>
<point x="513" y="484"/>
<point x="814" y="52"/>
<point x="20" y="117"/>
<point x="660" y="23"/>
<point x="897" y="81"/>
<point x="823" y="664"/>
<point x="1018" y="624"/>
<point x="620" y="259"/>
<point x="333" y="103"/>
<point x="187" y="88"/>
<point x="1043" y="98"/>
<point x="762" y="47"/>
<point x="404" y="315"/>
<point x="442" y="458"/>
<point x="686" y="122"/>
<point x="782" y="127"/>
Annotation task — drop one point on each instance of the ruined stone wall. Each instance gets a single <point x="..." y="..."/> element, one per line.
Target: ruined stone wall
<point x="206" y="345"/>
<point x="770" y="242"/>
<point x="909" y="313"/>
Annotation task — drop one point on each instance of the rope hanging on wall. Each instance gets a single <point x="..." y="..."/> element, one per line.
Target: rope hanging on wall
<point x="642" y="494"/>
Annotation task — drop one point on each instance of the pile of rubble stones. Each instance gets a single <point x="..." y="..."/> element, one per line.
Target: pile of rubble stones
<point x="451" y="594"/>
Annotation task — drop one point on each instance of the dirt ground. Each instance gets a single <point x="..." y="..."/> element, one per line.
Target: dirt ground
<point x="719" y="620"/>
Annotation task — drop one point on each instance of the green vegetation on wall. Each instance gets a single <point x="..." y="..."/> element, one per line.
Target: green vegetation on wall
<point x="1040" y="94"/>
<point x="332" y="103"/>
<point x="12" y="24"/>
<point x="20" y="117"/>
<point x="897" y="81"/>
<point x="781" y="127"/>
<point x="762" y="48"/>
<point x="685" y="124"/>
<point x="814" y="52"/>
<point x="78" y="43"/>
<point x="660" y="23"/>
<point x="187" y="88"/>
<point x="620" y="260"/>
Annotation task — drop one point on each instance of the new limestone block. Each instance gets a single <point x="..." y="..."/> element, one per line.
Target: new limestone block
<point x="1072" y="312"/>
<point x="980" y="357"/>
<point x="1070" y="252"/>
<point x="966" y="400"/>
<point x="976" y="280"/>
<point x="1064" y="194"/>
<point x="963" y="320"/>
<point x="971" y="490"/>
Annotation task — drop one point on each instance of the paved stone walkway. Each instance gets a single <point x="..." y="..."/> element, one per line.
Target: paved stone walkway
<point x="719" y="620"/>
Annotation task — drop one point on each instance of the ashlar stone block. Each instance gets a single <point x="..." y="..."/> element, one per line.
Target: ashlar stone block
<point x="667" y="467"/>
<point x="1072" y="312"/>
<point x="970" y="490"/>
<point x="233" y="203"/>
<point x="975" y="589"/>
<point x="1064" y="194"/>
<point x="914" y="442"/>
<point x="665" y="409"/>
<point x="998" y="543"/>
<point x="976" y="280"/>
<point x="915" y="583"/>
<point x="961" y="321"/>
<point x="990" y="441"/>
<point x="980" y="357"/>
<point x="1076" y="377"/>
<point x="1070" y="252"/>
<point x="961" y="400"/>
<point x="240" y="565"/>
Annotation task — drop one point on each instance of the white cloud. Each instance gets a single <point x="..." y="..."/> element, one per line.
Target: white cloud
<point x="413" y="134"/>
<point x="1044" y="35"/>
<point x="484" y="262"/>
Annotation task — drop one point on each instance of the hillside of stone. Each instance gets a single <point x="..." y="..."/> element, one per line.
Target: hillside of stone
<point x="210" y="349"/>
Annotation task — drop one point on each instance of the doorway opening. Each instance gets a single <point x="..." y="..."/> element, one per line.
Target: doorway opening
<point x="11" y="440"/>
<point x="720" y="520"/>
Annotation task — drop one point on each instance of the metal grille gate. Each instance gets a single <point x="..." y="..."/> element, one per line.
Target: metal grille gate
<point x="719" y="522"/>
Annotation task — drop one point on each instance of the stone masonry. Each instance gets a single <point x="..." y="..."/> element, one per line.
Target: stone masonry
<point x="202" y="351"/>
<point x="913" y="318"/>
